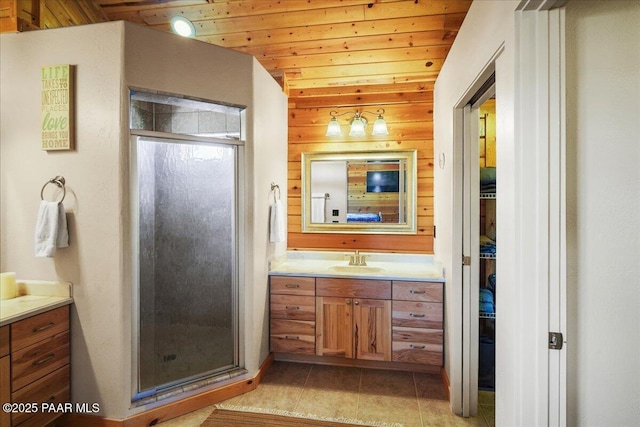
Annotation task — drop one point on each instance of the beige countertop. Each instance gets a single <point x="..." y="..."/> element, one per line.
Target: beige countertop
<point x="379" y="266"/>
<point x="35" y="297"/>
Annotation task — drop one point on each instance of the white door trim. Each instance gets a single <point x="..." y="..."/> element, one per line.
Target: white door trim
<point x="540" y="213"/>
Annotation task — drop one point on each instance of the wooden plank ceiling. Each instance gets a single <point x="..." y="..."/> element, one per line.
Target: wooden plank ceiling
<point x="320" y="47"/>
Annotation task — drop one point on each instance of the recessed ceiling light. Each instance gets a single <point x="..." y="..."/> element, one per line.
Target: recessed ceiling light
<point x="182" y="26"/>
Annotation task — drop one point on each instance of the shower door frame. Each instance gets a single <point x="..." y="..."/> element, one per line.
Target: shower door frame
<point x="142" y="397"/>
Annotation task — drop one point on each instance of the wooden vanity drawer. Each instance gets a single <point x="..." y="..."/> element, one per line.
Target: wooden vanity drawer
<point x="418" y="291"/>
<point x="417" y="314"/>
<point x="418" y="335"/>
<point x="53" y="388"/>
<point x="293" y="336"/>
<point x="293" y="307"/>
<point x="353" y="288"/>
<point x="33" y="329"/>
<point x="418" y="345"/>
<point x="35" y="361"/>
<point x="416" y="352"/>
<point x="4" y="341"/>
<point x="291" y="285"/>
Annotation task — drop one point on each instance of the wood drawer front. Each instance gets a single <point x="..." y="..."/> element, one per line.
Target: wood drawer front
<point x="5" y="389"/>
<point x="35" y="361"/>
<point x="4" y="340"/>
<point x="52" y="388"/>
<point x="417" y="291"/>
<point x="418" y="335"/>
<point x="33" y="329"/>
<point x="353" y="288"/>
<point x="417" y="314"/>
<point x="293" y="285"/>
<point x="293" y="307"/>
<point x="293" y="336"/>
<point x="427" y="354"/>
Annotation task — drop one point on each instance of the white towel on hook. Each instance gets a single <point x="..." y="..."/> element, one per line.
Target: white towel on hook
<point x="318" y="201"/>
<point x="51" y="229"/>
<point x="276" y="223"/>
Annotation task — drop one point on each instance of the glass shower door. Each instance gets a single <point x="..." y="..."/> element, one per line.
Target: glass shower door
<point x="187" y="268"/>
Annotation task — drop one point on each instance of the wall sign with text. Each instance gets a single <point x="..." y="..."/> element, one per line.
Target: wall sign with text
<point x="57" y="106"/>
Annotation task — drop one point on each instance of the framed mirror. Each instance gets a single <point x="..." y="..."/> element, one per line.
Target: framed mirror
<point x="367" y="192"/>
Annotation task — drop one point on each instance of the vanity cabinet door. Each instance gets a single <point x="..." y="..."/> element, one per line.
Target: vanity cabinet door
<point x="334" y="327"/>
<point x="372" y="329"/>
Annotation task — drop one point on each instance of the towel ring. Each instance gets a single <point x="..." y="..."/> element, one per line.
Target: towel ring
<point x="275" y="187"/>
<point x="59" y="182"/>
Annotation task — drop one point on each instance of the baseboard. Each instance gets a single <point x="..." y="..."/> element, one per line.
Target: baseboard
<point x="171" y="410"/>
<point x="447" y="384"/>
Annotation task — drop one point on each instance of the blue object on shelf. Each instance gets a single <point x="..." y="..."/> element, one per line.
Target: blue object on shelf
<point x="486" y="301"/>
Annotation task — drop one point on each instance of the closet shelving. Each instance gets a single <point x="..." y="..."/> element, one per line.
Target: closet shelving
<point x="486" y="283"/>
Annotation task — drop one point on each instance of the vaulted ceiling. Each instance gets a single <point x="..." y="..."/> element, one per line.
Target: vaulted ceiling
<point x="310" y="46"/>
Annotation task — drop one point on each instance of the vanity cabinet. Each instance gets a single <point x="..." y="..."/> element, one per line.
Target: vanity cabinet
<point x="293" y="315"/>
<point x="353" y="318"/>
<point x="34" y="367"/>
<point x="359" y="319"/>
<point x="418" y="335"/>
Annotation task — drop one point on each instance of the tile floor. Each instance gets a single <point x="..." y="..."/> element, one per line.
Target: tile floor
<point x="412" y="399"/>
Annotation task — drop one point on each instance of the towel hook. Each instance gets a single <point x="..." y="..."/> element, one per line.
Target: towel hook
<point x="275" y="187"/>
<point x="59" y="182"/>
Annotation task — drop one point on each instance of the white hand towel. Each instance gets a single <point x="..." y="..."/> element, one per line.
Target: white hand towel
<point x="317" y="207"/>
<point x="51" y="229"/>
<point x="276" y="229"/>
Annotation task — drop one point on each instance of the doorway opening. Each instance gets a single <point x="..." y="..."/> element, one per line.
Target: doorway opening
<point x="479" y="245"/>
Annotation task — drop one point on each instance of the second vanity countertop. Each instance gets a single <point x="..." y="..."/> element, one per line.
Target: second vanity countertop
<point x="382" y="266"/>
<point x="35" y="297"/>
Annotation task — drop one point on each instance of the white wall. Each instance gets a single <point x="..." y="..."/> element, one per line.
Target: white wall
<point x="268" y="128"/>
<point x="486" y="35"/>
<point x="331" y="177"/>
<point x="94" y="260"/>
<point x="110" y="58"/>
<point x="603" y="212"/>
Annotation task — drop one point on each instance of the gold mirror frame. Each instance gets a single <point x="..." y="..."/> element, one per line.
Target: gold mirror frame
<point x="410" y="227"/>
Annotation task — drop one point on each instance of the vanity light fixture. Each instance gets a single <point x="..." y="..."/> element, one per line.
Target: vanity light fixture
<point x="358" y="124"/>
<point x="182" y="26"/>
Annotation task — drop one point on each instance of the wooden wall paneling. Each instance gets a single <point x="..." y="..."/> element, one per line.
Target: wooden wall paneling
<point x="411" y="127"/>
<point x="379" y="97"/>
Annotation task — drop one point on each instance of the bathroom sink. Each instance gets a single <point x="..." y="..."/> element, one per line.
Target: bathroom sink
<point x="355" y="269"/>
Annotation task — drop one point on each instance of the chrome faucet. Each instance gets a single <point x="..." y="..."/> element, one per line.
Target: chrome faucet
<point x="357" y="259"/>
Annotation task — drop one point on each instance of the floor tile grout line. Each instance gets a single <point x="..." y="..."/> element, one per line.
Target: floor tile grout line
<point x="415" y="389"/>
<point x="358" y="396"/>
<point x="306" y="380"/>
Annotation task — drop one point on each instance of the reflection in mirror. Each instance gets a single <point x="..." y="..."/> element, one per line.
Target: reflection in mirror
<point x="359" y="192"/>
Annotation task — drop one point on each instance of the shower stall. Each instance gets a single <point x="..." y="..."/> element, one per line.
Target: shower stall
<point x="185" y="174"/>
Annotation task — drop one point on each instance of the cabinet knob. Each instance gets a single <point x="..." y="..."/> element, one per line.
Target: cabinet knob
<point x="415" y="315"/>
<point x="348" y="302"/>
<point x="416" y="292"/>
<point x="417" y="347"/>
<point x="356" y="302"/>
